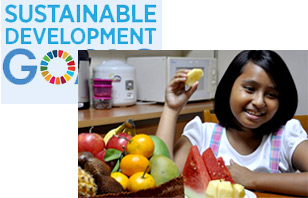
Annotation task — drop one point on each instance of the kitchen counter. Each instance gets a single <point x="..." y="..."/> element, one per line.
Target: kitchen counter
<point x="93" y="117"/>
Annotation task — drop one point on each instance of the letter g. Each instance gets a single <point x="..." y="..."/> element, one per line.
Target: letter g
<point x="30" y="68"/>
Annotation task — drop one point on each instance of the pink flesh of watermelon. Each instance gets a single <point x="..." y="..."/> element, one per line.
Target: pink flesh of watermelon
<point x="212" y="166"/>
<point x="228" y="176"/>
<point x="196" y="177"/>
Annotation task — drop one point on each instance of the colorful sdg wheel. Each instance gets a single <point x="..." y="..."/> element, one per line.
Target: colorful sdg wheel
<point x="62" y="55"/>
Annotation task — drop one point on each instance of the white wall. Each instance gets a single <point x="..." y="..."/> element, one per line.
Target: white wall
<point x="297" y="62"/>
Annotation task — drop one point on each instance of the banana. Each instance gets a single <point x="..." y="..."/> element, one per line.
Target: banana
<point x="130" y="127"/>
<point x="126" y="127"/>
<point x="130" y="131"/>
<point x="109" y="135"/>
<point x="113" y="132"/>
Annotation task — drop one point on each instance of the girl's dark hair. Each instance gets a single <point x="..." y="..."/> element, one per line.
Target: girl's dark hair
<point x="278" y="71"/>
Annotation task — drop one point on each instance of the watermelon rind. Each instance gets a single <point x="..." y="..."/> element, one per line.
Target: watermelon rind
<point x="189" y="192"/>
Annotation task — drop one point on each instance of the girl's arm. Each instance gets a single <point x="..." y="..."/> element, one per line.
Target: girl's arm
<point x="166" y="131"/>
<point x="175" y="98"/>
<point x="286" y="183"/>
<point x="166" y="127"/>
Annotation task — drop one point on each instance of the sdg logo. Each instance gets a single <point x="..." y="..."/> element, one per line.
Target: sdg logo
<point x="66" y="59"/>
<point x="57" y="67"/>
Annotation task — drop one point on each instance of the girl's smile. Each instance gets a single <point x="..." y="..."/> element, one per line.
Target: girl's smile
<point x="254" y="115"/>
<point x="254" y="98"/>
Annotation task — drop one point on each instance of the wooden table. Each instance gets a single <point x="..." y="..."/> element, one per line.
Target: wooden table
<point x="268" y="195"/>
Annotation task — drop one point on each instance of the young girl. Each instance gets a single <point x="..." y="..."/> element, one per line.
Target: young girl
<point x="256" y="135"/>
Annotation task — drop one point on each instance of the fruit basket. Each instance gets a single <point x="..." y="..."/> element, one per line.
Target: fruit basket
<point x="172" y="188"/>
<point x="126" y="164"/>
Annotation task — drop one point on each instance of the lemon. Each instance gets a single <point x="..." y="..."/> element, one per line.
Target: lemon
<point x="121" y="178"/>
<point x="140" y="181"/>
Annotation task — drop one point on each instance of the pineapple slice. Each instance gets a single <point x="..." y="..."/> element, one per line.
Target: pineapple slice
<point x="211" y="190"/>
<point x="225" y="189"/>
<point x="193" y="76"/>
<point x="222" y="189"/>
<point x="238" y="191"/>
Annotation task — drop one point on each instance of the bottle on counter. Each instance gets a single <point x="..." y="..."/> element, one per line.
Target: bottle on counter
<point x="84" y="62"/>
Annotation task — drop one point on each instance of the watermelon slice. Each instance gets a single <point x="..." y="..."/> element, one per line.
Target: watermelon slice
<point x="222" y="165"/>
<point x="212" y="166"/>
<point x="195" y="174"/>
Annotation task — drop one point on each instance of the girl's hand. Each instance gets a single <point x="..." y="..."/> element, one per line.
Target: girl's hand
<point x="176" y="95"/>
<point x="241" y="174"/>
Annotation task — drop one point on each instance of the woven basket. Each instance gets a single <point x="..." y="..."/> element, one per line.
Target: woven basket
<point x="172" y="188"/>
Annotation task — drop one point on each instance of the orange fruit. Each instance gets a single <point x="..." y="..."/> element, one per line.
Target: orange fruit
<point x="121" y="178"/>
<point x="141" y="144"/>
<point x="133" y="163"/>
<point x="140" y="181"/>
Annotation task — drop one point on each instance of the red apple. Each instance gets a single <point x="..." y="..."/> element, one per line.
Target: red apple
<point x="101" y="156"/>
<point x="118" y="141"/>
<point x="91" y="142"/>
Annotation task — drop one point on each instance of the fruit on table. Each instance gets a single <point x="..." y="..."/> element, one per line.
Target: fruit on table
<point x="212" y="166"/>
<point x="119" y="141"/>
<point x="160" y="147"/>
<point x="141" y="181"/>
<point x="107" y="184"/>
<point x="222" y="165"/>
<point x="220" y="188"/>
<point x="101" y="173"/>
<point x="212" y="189"/>
<point x="121" y="178"/>
<point x="91" y="142"/>
<point x="215" y="169"/>
<point x="193" y="76"/>
<point x="141" y="144"/>
<point x="83" y="157"/>
<point x="215" y="188"/>
<point x="86" y="184"/>
<point x="238" y="191"/>
<point x="133" y="163"/>
<point x="196" y="177"/>
<point x="163" y="169"/>
<point x="127" y="127"/>
<point x="95" y="166"/>
<point x="101" y="156"/>
<point x="224" y="189"/>
<point x="111" y="133"/>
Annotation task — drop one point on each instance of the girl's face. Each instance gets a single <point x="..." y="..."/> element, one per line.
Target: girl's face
<point x="254" y="98"/>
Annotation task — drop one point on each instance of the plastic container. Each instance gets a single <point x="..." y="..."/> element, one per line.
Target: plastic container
<point x="102" y="90"/>
<point x="124" y="90"/>
<point x="98" y="81"/>
<point x="102" y="102"/>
